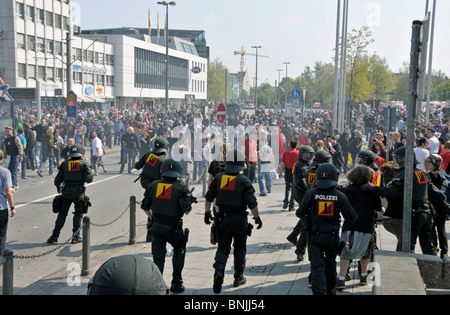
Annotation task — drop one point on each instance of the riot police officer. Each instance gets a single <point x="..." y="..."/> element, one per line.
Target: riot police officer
<point x="422" y="217"/>
<point x="234" y="193"/>
<point x="369" y="158"/>
<point x="322" y="207"/>
<point x="166" y="201"/>
<point x="72" y="174"/>
<point x="305" y="156"/>
<point x="319" y="157"/>
<point x="150" y="164"/>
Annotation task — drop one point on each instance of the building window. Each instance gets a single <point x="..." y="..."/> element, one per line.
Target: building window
<point x="99" y="58"/>
<point x="31" y="72"/>
<point x="40" y="16"/>
<point x="50" y="48"/>
<point x="90" y="56"/>
<point x="58" y="74"/>
<point x="50" y="74"/>
<point x="41" y="73"/>
<point x="100" y="79"/>
<point x="19" y="10"/>
<point x="58" y="48"/>
<point x="77" y="77"/>
<point x="89" y="78"/>
<point x="58" y="21"/>
<point x="22" y="70"/>
<point x="48" y="18"/>
<point x="30" y="13"/>
<point x="20" y="41"/>
<point x="40" y="44"/>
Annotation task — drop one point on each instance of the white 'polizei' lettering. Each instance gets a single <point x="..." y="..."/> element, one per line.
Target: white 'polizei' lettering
<point x="326" y="197"/>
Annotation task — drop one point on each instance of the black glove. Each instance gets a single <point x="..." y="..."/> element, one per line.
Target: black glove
<point x="258" y="222"/>
<point x="208" y="218"/>
<point x="58" y="189"/>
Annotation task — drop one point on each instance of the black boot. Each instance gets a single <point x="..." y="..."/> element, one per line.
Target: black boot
<point x="239" y="278"/>
<point x="177" y="287"/>
<point x="219" y="274"/>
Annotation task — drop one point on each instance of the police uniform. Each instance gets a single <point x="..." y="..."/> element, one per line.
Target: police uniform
<point x="73" y="173"/>
<point x="169" y="199"/>
<point x="234" y="193"/>
<point x="322" y="206"/>
<point x="300" y="187"/>
<point x="150" y="164"/>
<point x="369" y="158"/>
<point x="422" y="217"/>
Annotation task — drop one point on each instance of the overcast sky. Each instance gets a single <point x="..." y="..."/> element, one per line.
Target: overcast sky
<point x="297" y="31"/>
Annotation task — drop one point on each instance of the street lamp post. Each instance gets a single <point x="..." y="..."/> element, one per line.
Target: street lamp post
<point x="287" y="64"/>
<point x="166" y="28"/>
<point x="256" y="75"/>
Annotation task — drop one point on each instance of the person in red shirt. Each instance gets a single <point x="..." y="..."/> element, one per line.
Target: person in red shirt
<point x="446" y="157"/>
<point x="288" y="161"/>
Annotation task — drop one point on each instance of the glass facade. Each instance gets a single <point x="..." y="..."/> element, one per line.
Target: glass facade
<point x="150" y="71"/>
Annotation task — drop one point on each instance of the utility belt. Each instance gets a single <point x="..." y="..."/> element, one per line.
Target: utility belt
<point x="226" y="212"/>
<point x="181" y="236"/>
<point x="174" y="222"/>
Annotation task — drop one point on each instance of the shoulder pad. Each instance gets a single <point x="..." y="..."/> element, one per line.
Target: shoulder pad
<point x="397" y="181"/>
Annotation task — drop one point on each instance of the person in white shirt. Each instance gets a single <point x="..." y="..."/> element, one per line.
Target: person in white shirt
<point x="422" y="153"/>
<point x="433" y="142"/>
<point x="266" y="164"/>
<point x="97" y="151"/>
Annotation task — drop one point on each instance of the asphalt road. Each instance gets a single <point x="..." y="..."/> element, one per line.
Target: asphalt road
<point x="34" y="221"/>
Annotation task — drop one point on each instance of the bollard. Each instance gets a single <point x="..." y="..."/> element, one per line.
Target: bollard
<point x="86" y="246"/>
<point x="8" y="269"/>
<point x="132" y="220"/>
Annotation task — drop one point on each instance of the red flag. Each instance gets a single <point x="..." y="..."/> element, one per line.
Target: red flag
<point x="280" y="139"/>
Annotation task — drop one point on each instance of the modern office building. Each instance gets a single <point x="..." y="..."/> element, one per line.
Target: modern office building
<point x="140" y="66"/>
<point x="113" y="67"/>
<point x="33" y="54"/>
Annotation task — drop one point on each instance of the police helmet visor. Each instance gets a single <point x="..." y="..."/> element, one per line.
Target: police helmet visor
<point x="399" y="162"/>
<point x="306" y="156"/>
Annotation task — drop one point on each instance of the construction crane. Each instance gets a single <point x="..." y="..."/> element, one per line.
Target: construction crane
<point x="243" y="53"/>
<point x="242" y="72"/>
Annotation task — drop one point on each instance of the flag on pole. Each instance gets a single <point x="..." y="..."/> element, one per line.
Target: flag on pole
<point x="159" y="30"/>
<point x="165" y="29"/>
<point x="149" y="23"/>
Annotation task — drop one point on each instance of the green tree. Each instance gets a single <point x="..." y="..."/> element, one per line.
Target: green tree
<point x="216" y="81"/>
<point x="358" y="85"/>
<point x="381" y="77"/>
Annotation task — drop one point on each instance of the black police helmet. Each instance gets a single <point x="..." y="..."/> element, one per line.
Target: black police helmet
<point x="171" y="168"/>
<point x="320" y="157"/>
<point x="327" y="176"/>
<point x="367" y="158"/>
<point x="306" y="153"/>
<point x="76" y="150"/>
<point x="161" y="145"/>
<point x="399" y="157"/>
<point x="234" y="161"/>
<point x="127" y="275"/>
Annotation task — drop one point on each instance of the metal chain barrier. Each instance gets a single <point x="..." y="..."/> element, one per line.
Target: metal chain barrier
<point x="53" y="249"/>
<point x="106" y="224"/>
<point x="68" y="241"/>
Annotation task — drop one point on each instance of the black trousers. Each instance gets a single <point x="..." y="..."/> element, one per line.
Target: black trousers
<point x="422" y="223"/>
<point x="250" y="170"/>
<point x="232" y="229"/>
<point x="78" y="202"/>
<point x="163" y="234"/>
<point x="323" y="250"/>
